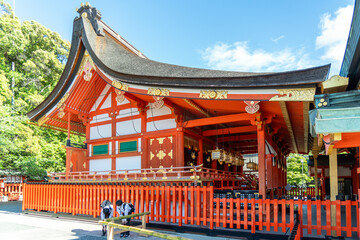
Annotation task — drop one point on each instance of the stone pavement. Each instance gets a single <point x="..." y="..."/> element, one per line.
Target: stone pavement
<point x="15" y="225"/>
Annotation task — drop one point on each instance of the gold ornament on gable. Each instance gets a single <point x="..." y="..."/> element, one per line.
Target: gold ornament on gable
<point x="213" y="94"/>
<point x="158" y="92"/>
<point x="299" y="94"/>
<point x="120" y="85"/>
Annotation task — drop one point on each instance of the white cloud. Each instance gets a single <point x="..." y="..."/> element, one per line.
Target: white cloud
<point x="275" y="40"/>
<point x="239" y="57"/>
<point x="334" y="34"/>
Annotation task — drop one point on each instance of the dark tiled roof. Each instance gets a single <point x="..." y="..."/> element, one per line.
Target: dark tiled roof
<point x="128" y="67"/>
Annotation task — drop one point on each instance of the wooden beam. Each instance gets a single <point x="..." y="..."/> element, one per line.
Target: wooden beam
<point x="261" y="161"/>
<point x="226" y="131"/>
<point x="197" y="107"/>
<point x="333" y="169"/>
<point x="218" y="120"/>
<point x="306" y="125"/>
<point x="288" y="124"/>
<point x="238" y="138"/>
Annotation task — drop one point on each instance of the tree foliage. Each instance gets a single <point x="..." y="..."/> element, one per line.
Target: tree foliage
<point x="39" y="56"/>
<point x="297" y="170"/>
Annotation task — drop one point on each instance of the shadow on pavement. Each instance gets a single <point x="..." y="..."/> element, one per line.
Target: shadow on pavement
<point x="11" y="207"/>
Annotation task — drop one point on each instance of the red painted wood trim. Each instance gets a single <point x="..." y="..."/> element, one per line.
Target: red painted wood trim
<point x="127" y="154"/>
<point x="104" y="99"/>
<point x="158" y="118"/>
<point x="218" y="120"/>
<point x="224" y="131"/>
<point x="110" y="109"/>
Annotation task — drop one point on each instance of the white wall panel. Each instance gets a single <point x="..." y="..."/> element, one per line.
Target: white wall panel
<point x="153" y="112"/>
<point x="107" y="102"/>
<point x="139" y="145"/>
<point x="124" y="163"/>
<point x="100" y="118"/>
<point x="124" y="102"/>
<point x="161" y="125"/>
<point x="128" y="112"/>
<point x="100" y="98"/>
<point x="102" y="131"/>
<point x="127" y="127"/>
<point x="100" y="165"/>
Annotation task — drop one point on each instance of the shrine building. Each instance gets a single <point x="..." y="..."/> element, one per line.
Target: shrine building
<point x="148" y="122"/>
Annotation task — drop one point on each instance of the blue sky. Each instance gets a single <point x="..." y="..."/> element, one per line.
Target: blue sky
<point x="257" y="36"/>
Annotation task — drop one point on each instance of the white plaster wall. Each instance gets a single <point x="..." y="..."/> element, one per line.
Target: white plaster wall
<point x="102" y="95"/>
<point x="128" y="112"/>
<point x="100" y="165"/>
<point x="127" y="127"/>
<point x="107" y="102"/>
<point x="101" y="118"/>
<point x="102" y="131"/>
<point x="90" y="149"/>
<point x="125" y="163"/>
<point x="153" y="112"/>
<point x="124" y="102"/>
<point x="160" y="125"/>
<point x="110" y="148"/>
<point x="139" y="144"/>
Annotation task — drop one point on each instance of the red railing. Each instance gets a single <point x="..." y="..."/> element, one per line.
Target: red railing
<point x="12" y="191"/>
<point x="221" y="179"/>
<point x="304" y="192"/>
<point x="191" y="172"/>
<point x="195" y="205"/>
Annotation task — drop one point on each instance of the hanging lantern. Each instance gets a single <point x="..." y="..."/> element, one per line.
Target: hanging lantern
<point x="250" y="165"/>
<point x="256" y="167"/>
<point x="216" y="154"/>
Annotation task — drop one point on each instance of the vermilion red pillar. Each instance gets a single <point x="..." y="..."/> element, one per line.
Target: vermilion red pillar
<point x="68" y="152"/>
<point x="144" y="141"/>
<point x="113" y="130"/>
<point x="180" y="148"/>
<point x="261" y="158"/>
<point x="269" y="175"/>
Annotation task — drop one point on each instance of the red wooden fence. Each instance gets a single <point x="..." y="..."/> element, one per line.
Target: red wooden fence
<point x="12" y="191"/>
<point x="194" y="205"/>
<point x="304" y="192"/>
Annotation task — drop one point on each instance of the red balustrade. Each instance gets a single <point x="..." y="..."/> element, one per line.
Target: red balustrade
<point x="12" y="190"/>
<point x="196" y="205"/>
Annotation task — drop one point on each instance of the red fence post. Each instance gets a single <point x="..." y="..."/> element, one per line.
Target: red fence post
<point x="211" y="205"/>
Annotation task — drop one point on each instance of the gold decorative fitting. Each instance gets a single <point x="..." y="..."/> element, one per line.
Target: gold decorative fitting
<point x="84" y="165"/>
<point x="120" y="85"/>
<point x="84" y="15"/>
<point x="159" y="102"/>
<point x="119" y="95"/>
<point x="158" y="92"/>
<point x="161" y="155"/>
<point x="42" y="120"/>
<point x="71" y="164"/>
<point x="170" y="154"/>
<point x="62" y="101"/>
<point x="299" y="94"/>
<point x="171" y="139"/>
<point x="151" y="156"/>
<point x="252" y="106"/>
<point x="213" y="94"/>
<point x="161" y="140"/>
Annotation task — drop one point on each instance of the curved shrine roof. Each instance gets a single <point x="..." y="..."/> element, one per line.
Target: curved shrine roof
<point x="118" y="59"/>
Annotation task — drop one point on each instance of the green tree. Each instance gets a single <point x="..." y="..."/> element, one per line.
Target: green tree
<point x="39" y="56"/>
<point x="297" y="170"/>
